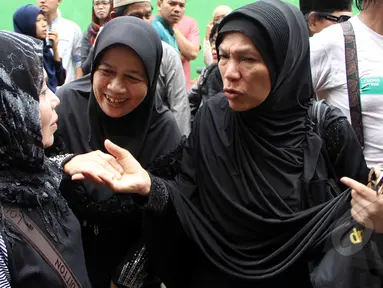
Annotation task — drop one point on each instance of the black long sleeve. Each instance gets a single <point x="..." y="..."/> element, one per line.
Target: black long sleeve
<point x="60" y="72"/>
<point x="344" y="151"/>
<point x="86" y="54"/>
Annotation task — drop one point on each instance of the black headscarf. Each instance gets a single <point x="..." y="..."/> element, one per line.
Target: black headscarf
<point x="147" y="132"/>
<point x="26" y="177"/>
<point x="240" y="196"/>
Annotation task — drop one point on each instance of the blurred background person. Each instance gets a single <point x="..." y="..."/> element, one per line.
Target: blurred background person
<point x="171" y="84"/>
<point x="70" y="36"/>
<point x="321" y="14"/>
<point x="30" y="20"/>
<point x="358" y="91"/>
<point x="101" y="10"/>
<point x="29" y="181"/>
<point x="187" y="35"/>
<point x="210" y="82"/>
<point x="219" y="13"/>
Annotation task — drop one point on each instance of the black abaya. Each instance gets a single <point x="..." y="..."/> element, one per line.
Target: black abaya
<point x="112" y="224"/>
<point x="241" y="196"/>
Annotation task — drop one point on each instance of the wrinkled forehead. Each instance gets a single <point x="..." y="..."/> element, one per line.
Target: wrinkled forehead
<point x="236" y="43"/>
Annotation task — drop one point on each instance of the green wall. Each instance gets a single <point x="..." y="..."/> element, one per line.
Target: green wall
<point x="79" y="11"/>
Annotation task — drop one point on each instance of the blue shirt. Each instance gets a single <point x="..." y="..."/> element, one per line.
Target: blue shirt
<point x="165" y="31"/>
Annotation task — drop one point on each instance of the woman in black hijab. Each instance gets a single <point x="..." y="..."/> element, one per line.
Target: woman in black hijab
<point x="29" y="182"/>
<point x="117" y="101"/>
<point x="240" y="213"/>
<point x="210" y="81"/>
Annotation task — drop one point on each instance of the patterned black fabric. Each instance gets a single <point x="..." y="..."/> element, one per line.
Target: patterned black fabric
<point x="27" y="177"/>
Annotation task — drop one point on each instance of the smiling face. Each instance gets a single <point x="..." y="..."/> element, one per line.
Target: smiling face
<point x="120" y="81"/>
<point x="245" y="76"/>
<point x="48" y="116"/>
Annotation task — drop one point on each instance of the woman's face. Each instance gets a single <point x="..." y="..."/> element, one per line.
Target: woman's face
<point x="41" y="27"/>
<point x="101" y="8"/>
<point x="245" y="76"/>
<point x="48" y="116"/>
<point x="120" y="82"/>
<point x="213" y="48"/>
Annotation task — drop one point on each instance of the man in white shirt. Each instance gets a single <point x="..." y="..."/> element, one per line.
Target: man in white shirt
<point x="329" y="72"/>
<point x="70" y="37"/>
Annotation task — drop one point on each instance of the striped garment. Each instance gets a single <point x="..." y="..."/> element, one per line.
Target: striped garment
<point x="5" y="278"/>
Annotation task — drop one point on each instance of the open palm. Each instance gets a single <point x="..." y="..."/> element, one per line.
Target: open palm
<point x="134" y="178"/>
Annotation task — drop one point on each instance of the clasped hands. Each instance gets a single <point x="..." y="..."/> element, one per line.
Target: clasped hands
<point x="118" y="170"/>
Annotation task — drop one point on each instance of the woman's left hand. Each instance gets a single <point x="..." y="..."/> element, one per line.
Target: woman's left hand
<point x="367" y="206"/>
<point x="54" y="36"/>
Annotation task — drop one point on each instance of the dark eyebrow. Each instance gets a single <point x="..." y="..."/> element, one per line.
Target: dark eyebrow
<point x="242" y="50"/>
<point x="136" y="72"/>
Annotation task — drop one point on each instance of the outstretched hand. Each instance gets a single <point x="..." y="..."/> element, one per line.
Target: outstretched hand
<point x="134" y="179"/>
<point x="95" y="163"/>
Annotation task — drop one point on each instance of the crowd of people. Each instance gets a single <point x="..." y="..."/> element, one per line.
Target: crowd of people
<point x="119" y="170"/>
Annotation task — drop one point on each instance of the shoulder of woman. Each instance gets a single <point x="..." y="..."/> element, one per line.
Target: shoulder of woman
<point x="330" y="119"/>
<point x="333" y="114"/>
<point x="80" y="88"/>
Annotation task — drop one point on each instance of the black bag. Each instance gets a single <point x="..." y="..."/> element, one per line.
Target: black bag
<point x="353" y="255"/>
<point x="353" y="258"/>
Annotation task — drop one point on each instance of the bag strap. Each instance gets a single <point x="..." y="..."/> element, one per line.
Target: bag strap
<point x="32" y="233"/>
<point x="353" y="87"/>
<point x="317" y="114"/>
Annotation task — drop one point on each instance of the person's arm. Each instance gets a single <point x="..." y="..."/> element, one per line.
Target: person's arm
<point x="169" y="165"/>
<point x="343" y="148"/>
<point x="5" y="278"/>
<point x="176" y="91"/>
<point x="60" y="72"/>
<point x="87" y="64"/>
<point x="76" y="51"/>
<point x="194" y="99"/>
<point x="207" y="56"/>
<point x="189" y="46"/>
<point x="321" y="66"/>
<point x="86" y="54"/>
<point x="79" y="72"/>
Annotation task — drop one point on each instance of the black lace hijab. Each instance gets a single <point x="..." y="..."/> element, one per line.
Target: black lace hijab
<point x="239" y="196"/>
<point x="27" y="177"/>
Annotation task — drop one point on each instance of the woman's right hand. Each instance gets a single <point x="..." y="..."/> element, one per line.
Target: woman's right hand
<point x="95" y="163"/>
